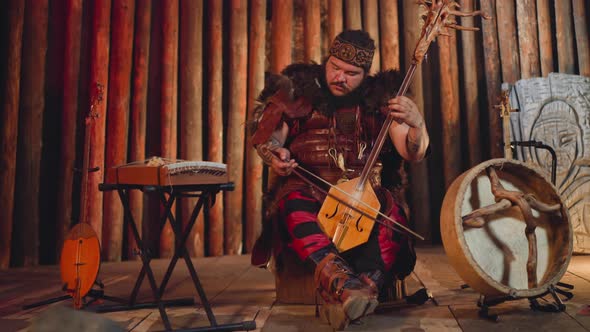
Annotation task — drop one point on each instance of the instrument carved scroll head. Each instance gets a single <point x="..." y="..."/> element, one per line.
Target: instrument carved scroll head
<point x="438" y="16"/>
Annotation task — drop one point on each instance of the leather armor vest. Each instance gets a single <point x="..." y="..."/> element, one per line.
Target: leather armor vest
<point x="334" y="147"/>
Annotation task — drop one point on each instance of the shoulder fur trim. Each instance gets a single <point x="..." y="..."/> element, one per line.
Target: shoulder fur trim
<point x="380" y="88"/>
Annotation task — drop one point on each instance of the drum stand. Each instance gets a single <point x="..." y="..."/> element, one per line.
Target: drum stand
<point x="485" y="302"/>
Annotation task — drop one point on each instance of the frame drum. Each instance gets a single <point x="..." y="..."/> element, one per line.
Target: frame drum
<point x="494" y="255"/>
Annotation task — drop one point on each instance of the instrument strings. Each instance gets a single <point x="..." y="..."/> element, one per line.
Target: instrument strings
<point x="395" y="224"/>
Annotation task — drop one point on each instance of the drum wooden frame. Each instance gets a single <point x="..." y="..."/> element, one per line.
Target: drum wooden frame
<point x="498" y="247"/>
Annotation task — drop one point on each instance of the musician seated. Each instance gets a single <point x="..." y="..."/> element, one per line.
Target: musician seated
<point x="326" y="118"/>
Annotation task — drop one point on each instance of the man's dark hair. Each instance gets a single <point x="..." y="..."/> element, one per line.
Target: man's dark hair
<point x="358" y="37"/>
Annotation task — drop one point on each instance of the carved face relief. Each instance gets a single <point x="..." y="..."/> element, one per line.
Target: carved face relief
<point x="558" y="126"/>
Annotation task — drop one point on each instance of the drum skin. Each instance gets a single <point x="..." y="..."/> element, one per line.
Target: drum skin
<point x="492" y="259"/>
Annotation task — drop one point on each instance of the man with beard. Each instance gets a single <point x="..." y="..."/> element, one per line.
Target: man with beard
<point x="326" y="118"/>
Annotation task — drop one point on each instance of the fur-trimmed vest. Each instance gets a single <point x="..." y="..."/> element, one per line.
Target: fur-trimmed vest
<point x="331" y="136"/>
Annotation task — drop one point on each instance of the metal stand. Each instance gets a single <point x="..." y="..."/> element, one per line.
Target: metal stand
<point x="95" y="294"/>
<point x="541" y="145"/>
<point x="484" y="302"/>
<point x="168" y="195"/>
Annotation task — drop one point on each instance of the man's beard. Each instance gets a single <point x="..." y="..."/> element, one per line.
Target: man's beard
<point x="332" y="102"/>
<point x="352" y="98"/>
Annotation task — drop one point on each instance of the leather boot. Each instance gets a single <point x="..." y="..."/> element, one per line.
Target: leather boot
<point x="376" y="279"/>
<point x="346" y="297"/>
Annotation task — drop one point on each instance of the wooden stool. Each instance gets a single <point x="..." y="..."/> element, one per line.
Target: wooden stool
<point x="294" y="279"/>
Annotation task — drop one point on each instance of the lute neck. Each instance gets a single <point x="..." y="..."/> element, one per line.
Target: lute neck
<point x="383" y="133"/>
<point x="85" y="167"/>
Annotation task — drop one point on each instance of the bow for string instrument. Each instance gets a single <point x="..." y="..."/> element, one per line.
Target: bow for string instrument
<point x="80" y="255"/>
<point x="351" y="208"/>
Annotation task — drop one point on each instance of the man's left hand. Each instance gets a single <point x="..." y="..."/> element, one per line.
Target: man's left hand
<point x="404" y="110"/>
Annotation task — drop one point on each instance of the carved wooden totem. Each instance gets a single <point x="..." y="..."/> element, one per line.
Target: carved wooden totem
<point x="555" y="110"/>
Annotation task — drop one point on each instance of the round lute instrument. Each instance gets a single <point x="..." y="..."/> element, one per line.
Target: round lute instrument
<point x="80" y="255"/>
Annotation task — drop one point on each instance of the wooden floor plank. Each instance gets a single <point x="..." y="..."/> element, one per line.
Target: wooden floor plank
<point x="580" y="266"/>
<point x="439" y="277"/>
<point x="427" y="317"/>
<point x="295" y="318"/>
<point x="255" y="287"/>
<point x="240" y="292"/>
<point x="579" y="306"/>
<point x="514" y="316"/>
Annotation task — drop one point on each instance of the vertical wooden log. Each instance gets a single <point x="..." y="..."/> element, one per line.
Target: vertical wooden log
<point x="389" y="23"/>
<point x="168" y="106"/>
<point x="123" y="13"/>
<point x="138" y="120"/>
<point x="311" y="28"/>
<point x="528" y="39"/>
<point x="493" y="76"/>
<point x="281" y="46"/>
<point x="509" y="45"/>
<point x="581" y="24"/>
<point x="215" y="116"/>
<point x="449" y="95"/>
<point x="335" y="19"/>
<point x="52" y="134"/>
<point x="238" y="70"/>
<point x="282" y="35"/>
<point x="152" y="210"/>
<point x="9" y="125"/>
<point x="71" y="75"/>
<point x="32" y="106"/>
<point x="99" y="66"/>
<point x="565" y="37"/>
<point x="470" y="86"/>
<point x="371" y="24"/>
<point x="419" y="194"/>
<point x="352" y="15"/>
<point x="191" y="110"/>
<point x="254" y="166"/>
<point x="545" y="42"/>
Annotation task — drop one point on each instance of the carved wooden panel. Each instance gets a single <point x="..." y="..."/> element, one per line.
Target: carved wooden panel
<point x="556" y="111"/>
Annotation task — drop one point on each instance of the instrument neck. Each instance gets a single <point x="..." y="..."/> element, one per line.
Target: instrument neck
<point x="383" y="133"/>
<point x="85" y="167"/>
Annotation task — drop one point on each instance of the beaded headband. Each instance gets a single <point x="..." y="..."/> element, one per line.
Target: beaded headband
<point x="351" y="53"/>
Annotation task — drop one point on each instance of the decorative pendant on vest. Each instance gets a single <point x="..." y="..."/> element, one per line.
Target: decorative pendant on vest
<point x="361" y="148"/>
<point x="338" y="158"/>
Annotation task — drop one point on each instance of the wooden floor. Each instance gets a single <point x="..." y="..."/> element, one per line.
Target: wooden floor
<point x="240" y="292"/>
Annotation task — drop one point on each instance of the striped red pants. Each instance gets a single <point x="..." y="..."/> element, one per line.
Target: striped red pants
<point x="301" y="233"/>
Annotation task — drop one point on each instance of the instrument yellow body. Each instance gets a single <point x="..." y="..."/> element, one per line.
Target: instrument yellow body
<point x="346" y="227"/>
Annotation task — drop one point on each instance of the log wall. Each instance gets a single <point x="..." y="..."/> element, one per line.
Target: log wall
<point x="180" y="79"/>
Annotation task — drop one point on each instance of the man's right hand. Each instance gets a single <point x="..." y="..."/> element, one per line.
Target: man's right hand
<point x="282" y="164"/>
